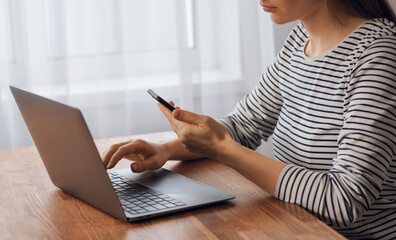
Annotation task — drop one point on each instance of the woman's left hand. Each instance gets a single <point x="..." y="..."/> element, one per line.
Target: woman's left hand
<point x="205" y="136"/>
<point x="199" y="133"/>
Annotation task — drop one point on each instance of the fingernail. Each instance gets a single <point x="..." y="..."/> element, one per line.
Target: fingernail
<point x="134" y="167"/>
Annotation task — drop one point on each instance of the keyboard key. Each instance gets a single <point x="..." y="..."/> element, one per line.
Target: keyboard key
<point x="150" y="209"/>
<point x="159" y="206"/>
<point x="138" y="199"/>
<point x="169" y="205"/>
<point x="130" y="211"/>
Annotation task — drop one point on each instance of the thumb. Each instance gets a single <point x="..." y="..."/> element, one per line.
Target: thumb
<point x="186" y="116"/>
<point x="148" y="164"/>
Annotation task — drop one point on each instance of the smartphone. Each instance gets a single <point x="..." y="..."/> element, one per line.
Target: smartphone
<point x="161" y="100"/>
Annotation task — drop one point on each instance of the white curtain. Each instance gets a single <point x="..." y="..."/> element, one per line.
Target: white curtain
<point x="102" y="55"/>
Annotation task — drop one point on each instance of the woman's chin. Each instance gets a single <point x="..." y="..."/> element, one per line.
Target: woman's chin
<point x="279" y="19"/>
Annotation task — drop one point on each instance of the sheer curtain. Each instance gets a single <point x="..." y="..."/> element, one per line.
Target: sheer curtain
<point x="102" y="55"/>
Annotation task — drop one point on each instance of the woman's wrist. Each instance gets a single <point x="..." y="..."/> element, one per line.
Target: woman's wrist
<point x="225" y="149"/>
<point x="177" y="151"/>
<point x="169" y="148"/>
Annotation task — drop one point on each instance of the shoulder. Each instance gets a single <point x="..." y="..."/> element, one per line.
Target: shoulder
<point x="376" y="36"/>
<point x="375" y="44"/>
<point x="377" y="28"/>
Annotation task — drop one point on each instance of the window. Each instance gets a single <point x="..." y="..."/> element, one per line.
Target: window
<point x="79" y="46"/>
<point x="102" y="55"/>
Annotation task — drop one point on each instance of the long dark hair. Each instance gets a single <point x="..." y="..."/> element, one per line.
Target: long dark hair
<point x="368" y="9"/>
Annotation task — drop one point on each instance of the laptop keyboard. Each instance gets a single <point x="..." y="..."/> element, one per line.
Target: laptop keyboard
<point x="137" y="199"/>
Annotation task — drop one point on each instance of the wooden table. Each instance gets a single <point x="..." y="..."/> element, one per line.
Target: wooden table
<point x="32" y="208"/>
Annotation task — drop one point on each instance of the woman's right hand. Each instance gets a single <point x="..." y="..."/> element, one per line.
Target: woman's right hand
<point x="145" y="155"/>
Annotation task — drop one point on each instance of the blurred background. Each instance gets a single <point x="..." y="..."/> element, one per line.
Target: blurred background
<point x="102" y="55"/>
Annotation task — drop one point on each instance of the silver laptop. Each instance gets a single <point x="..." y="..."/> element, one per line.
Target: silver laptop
<point x="74" y="165"/>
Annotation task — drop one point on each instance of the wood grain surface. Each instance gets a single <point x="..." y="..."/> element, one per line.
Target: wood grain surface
<point x="32" y="208"/>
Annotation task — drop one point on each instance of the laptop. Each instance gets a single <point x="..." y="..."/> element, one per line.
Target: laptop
<point x="74" y="165"/>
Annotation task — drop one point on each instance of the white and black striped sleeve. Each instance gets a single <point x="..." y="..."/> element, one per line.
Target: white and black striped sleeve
<point x="366" y="145"/>
<point x="255" y="116"/>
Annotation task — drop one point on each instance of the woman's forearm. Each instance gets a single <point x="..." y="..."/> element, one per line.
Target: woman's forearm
<point x="177" y="151"/>
<point x="260" y="169"/>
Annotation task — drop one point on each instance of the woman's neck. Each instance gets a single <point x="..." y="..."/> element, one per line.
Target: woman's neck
<point x="325" y="31"/>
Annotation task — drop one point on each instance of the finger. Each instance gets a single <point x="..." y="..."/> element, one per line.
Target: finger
<point x="166" y="112"/>
<point x="148" y="164"/>
<point x="134" y="157"/>
<point x="128" y="149"/>
<point x="186" y="116"/>
<point x="173" y="104"/>
<point x="175" y="125"/>
<point x="106" y="154"/>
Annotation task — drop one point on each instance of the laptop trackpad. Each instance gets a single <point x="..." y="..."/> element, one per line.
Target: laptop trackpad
<point x="177" y="186"/>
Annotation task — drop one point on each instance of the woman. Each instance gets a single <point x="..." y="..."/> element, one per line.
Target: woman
<point x="329" y="102"/>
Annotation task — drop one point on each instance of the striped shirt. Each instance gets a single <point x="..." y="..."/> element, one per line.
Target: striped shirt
<point x="333" y="121"/>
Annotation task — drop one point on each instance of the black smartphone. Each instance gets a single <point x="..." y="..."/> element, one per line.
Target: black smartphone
<point x="161" y="100"/>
